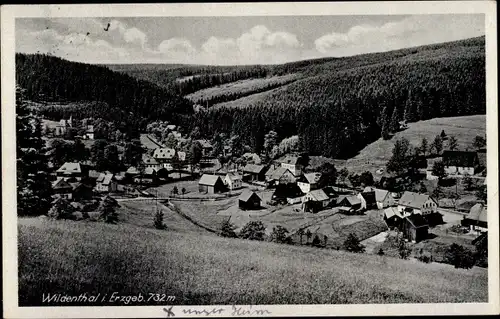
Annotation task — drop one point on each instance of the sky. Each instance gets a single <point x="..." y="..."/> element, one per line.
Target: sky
<point x="236" y="40"/>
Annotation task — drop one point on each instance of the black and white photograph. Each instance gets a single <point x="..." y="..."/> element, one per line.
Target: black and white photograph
<point x="223" y="163"/>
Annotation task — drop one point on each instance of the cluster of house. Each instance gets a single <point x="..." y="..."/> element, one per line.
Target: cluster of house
<point x="459" y="163"/>
<point x="63" y="125"/>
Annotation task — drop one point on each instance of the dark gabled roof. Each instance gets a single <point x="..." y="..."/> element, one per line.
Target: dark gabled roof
<point x="288" y="191"/>
<point x="253" y="168"/>
<point x="61" y="184"/>
<point x="318" y="195"/>
<point x="459" y="158"/>
<point x="417" y="221"/>
<point x="478" y="212"/>
<point x="483" y="236"/>
<point x="247" y="194"/>
<point x="330" y="191"/>
<point x="310" y="178"/>
<point x="380" y="194"/>
<point x="290" y="159"/>
<point x="277" y="173"/>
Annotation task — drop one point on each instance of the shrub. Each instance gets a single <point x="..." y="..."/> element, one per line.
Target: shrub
<point x="158" y="221"/>
<point x="254" y="230"/>
<point x="380" y="252"/>
<point x="424" y="256"/>
<point x="107" y="210"/>
<point x="352" y="244"/>
<point x="227" y="230"/>
<point x="403" y="250"/>
<point x="61" y="209"/>
<point x="459" y="256"/>
<point x="280" y="235"/>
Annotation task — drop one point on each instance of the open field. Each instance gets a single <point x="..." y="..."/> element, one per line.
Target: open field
<point x="241" y="87"/>
<point x="376" y="154"/>
<point x="204" y="269"/>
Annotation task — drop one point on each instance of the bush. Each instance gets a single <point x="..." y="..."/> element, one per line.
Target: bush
<point x="459" y="256"/>
<point x="61" y="209"/>
<point x="227" y="230"/>
<point x="254" y="230"/>
<point x="280" y="235"/>
<point x="424" y="256"/>
<point x="158" y="221"/>
<point x="403" y="250"/>
<point x="380" y="252"/>
<point x="107" y="209"/>
<point x="352" y="244"/>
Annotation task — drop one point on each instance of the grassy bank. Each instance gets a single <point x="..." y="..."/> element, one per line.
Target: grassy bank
<point x="75" y="257"/>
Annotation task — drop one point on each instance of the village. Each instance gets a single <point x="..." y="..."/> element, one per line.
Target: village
<point x="313" y="208"/>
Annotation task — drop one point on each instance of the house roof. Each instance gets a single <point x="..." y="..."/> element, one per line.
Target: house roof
<point x="60" y="183"/>
<point x="380" y="194"/>
<point x="233" y="176"/>
<point x="253" y="168"/>
<point x="205" y="144"/>
<point x="90" y="129"/>
<point x="149" y="171"/>
<point x="311" y="178"/>
<point x="252" y="157"/>
<point x="414" y="200"/>
<point x="459" y="158"/>
<point x="352" y="199"/>
<point x="171" y="127"/>
<point x="132" y="170"/>
<point x="318" y="195"/>
<point x="247" y="194"/>
<point x="392" y="211"/>
<point x="105" y="179"/>
<point x="330" y="191"/>
<point x="277" y="173"/>
<point x="369" y="197"/>
<point x="417" y="221"/>
<point x="209" y="180"/>
<point x="164" y="153"/>
<point x="287" y="191"/>
<point x="70" y="168"/>
<point x="478" y="212"/>
<point x="290" y="159"/>
<point x="150" y="161"/>
<point x="94" y="174"/>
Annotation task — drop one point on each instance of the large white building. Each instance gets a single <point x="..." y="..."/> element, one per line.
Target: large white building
<point x="460" y="162"/>
<point x="414" y="203"/>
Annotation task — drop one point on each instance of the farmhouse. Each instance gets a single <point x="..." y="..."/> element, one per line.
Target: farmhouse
<point x="249" y="200"/>
<point x="81" y="191"/>
<point x="106" y="183"/>
<point x="206" y="148"/>
<point x="292" y="163"/>
<point x="164" y="155"/>
<point x="149" y="176"/>
<point x="460" y="162"/>
<point x="392" y="218"/>
<point x="211" y="184"/>
<point x="253" y="172"/>
<point x="287" y="193"/>
<point x="280" y="175"/>
<point x="368" y="200"/>
<point x="477" y="220"/>
<point x="414" y="228"/>
<point x="71" y="170"/>
<point x="309" y="182"/>
<point x="414" y="203"/>
<point x="89" y="132"/>
<point x="63" y="125"/>
<point x="383" y="197"/>
<point x="233" y="181"/>
<point x="62" y="189"/>
<point x="315" y="201"/>
<point x="351" y="201"/>
<point x="151" y="162"/>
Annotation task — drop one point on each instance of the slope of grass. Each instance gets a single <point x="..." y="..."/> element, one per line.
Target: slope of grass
<point x="376" y="154"/>
<point x="76" y="257"/>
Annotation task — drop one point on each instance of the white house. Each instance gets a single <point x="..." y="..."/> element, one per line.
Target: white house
<point x="233" y="181"/>
<point x="315" y="201"/>
<point x="106" y="183"/>
<point x="416" y="203"/>
<point x="477" y="219"/>
<point x="150" y="162"/>
<point x="309" y="181"/>
<point x="291" y="163"/>
<point x="383" y="197"/>
<point x="460" y="162"/>
<point x="164" y="155"/>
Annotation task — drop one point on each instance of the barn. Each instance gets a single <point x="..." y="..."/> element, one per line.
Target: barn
<point x="249" y="200"/>
<point x="211" y="184"/>
<point x="415" y="228"/>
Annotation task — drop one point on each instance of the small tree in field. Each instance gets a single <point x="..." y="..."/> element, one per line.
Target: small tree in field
<point x="107" y="208"/>
<point x="316" y="241"/>
<point x="301" y="233"/>
<point x="437" y="145"/>
<point x="353" y="244"/>
<point x="424" y="146"/>
<point x="61" y="209"/>
<point x="459" y="256"/>
<point x="183" y="191"/>
<point x="479" y="142"/>
<point x="403" y="250"/>
<point x="280" y="235"/>
<point x="158" y="221"/>
<point x="452" y="143"/>
<point x="380" y="252"/>
<point x="175" y="190"/>
<point x="227" y="230"/>
<point x="438" y="170"/>
<point x="308" y="235"/>
<point x="254" y="230"/>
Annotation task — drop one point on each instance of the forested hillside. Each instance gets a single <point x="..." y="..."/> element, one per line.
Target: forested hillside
<point x="347" y="103"/>
<point x="130" y="102"/>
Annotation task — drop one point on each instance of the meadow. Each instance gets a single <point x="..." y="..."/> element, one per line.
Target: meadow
<point x="378" y="153"/>
<point x="70" y="258"/>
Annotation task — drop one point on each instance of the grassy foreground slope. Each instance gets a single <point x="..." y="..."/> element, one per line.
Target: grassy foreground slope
<point x="75" y="257"/>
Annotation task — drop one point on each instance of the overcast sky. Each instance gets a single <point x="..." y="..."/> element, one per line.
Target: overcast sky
<point x="235" y="40"/>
